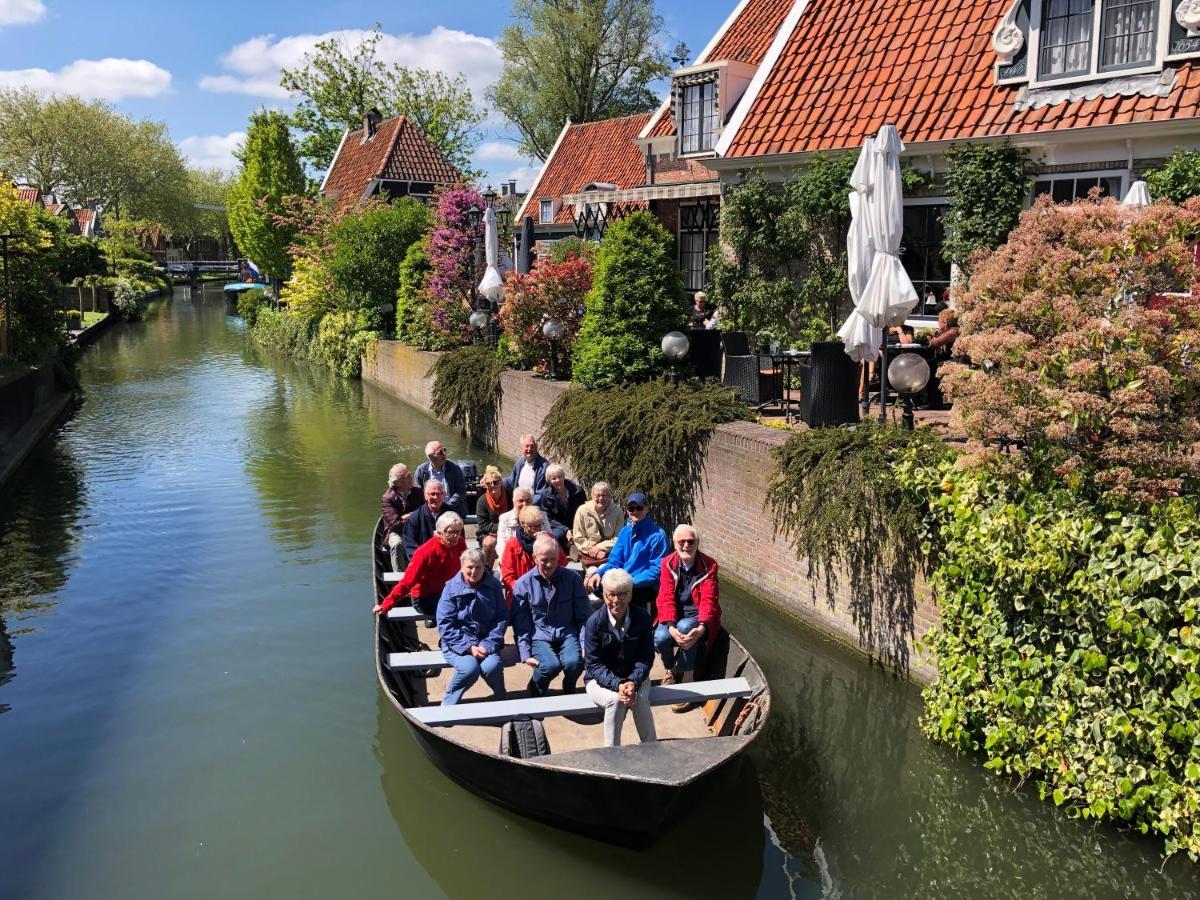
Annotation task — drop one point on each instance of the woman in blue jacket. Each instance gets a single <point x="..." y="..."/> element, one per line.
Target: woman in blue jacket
<point x="472" y="615"/>
<point x="639" y="550"/>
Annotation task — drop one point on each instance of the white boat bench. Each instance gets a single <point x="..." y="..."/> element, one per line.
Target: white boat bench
<point x="394" y="577"/>
<point x="494" y="712"/>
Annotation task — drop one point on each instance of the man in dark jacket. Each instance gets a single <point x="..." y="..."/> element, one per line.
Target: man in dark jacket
<point x="618" y="648"/>
<point x="560" y="501"/>
<point x="438" y="468"/>
<point x="530" y="468"/>
<point x="398" y="503"/>
<point x="422" y="524"/>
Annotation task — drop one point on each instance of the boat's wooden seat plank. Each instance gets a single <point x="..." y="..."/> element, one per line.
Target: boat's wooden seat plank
<point x="420" y="659"/>
<point x="392" y="577"/>
<point x="490" y="712"/>
<point x="404" y="614"/>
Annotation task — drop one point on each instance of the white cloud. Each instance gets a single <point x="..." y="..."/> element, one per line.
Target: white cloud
<point x="95" y="79"/>
<point x="499" y="150"/>
<point x="21" y="12"/>
<point x="213" y="151"/>
<point x="253" y="66"/>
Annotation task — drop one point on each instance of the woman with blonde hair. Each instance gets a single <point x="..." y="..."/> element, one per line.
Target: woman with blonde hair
<point x="493" y="502"/>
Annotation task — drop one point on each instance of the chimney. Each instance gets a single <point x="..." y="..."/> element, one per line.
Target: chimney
<point x="504" y="189"/>
<point x="512" y="187"/>
<point x="371" y="121"/>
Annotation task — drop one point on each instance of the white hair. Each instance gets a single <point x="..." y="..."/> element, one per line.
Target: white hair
<point x="617" y="581"/>
<point x="528" y="437"/>
<point x="429" y="447"/>
<point x="555" y="469"/>
<point x="435" y="481"/>
<point x="601" y="485"/>
<point x="446" y="521"/>
<point x="473" y="555"/>
<point x="395" y="473"/>
<point x="684" y="526"/>
<point x="524" y="493"/>
<point x="544" y="541"/>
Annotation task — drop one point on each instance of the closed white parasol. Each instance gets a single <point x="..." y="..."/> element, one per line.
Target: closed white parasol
<point x="492" y="285"/>
<point x="1137" y="195"/>
<point x="862" y="339"/>
<point x="889" y="296"/>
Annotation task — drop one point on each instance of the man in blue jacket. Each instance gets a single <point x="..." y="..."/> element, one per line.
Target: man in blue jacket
<point x="639" y="550"/>
<point x="530" y="468"/>
<point x="438" y="468"/>
<point x="472" y="615"/>
<point x="618" y="645"/>
<point x="550" y="608"/>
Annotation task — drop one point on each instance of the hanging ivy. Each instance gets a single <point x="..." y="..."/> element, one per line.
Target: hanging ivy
<point x="988" y="187"/>
<point x="466" y="391"/>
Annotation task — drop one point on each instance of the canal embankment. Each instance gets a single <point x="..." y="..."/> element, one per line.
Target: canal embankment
<point x="731" y="511"/>
<point x="31" y="403"/>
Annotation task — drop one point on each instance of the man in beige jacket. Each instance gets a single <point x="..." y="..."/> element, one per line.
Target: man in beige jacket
<point x="597" y="524"/>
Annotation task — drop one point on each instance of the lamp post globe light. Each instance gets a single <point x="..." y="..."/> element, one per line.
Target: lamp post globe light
<point x="554" y="330"/>
<point x="675" y="346"/>
<point x="908" y="373"/>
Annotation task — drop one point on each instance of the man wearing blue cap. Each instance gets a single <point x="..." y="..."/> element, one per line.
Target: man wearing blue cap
<point x="639" y="550"/>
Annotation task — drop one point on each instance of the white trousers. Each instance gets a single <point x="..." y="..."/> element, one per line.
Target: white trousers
<point x="614" y="713"/>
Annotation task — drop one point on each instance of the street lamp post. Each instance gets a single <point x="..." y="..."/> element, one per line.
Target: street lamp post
<point x="554" y="330"/>
<point x="675" y="346"/>
<point x="480" y="319"/>
<point x="908" y="374"/>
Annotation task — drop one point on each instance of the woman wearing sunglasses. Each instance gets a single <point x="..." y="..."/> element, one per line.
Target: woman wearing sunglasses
<point x="639" y="550"/>
<point x="494" y="502"/>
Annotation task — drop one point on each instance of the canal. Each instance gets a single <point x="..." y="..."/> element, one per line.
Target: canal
<point x="188" y="705"/>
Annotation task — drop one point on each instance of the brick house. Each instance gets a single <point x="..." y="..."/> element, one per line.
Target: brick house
<point x="1098" y="91"/>
<point x="87" y="219"/>
<point x="387" y="157"/>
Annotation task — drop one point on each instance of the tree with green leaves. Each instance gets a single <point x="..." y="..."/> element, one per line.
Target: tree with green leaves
<point x="636" y="298"/>
<point x="988" y="187"/>
<point x="1178" y="178"/>
<point x="338" y="83"/>
<point x="270" y="172"/>
<point x="583" y="61"/>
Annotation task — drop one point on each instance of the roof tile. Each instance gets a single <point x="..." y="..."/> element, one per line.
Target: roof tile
<point x="398" y="151"/>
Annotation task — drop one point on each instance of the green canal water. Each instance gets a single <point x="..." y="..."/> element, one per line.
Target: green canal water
<point x="188" y="705"/>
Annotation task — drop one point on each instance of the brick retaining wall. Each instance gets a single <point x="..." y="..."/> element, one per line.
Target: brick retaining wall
<point x="730" y="511"/>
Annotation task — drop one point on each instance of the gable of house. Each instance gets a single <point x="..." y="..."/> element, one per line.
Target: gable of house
<point x="397" y="153"/>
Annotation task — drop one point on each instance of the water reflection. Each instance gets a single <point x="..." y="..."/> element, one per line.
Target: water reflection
<point x="717" y="851"/>
<point x="864" y="803"/>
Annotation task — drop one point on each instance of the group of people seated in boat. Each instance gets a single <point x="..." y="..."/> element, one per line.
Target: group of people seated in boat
<point x="639" y="593"/>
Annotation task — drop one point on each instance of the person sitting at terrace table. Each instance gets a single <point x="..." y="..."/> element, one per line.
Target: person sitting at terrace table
<point x="437" y="468"/>
<point x="507" y="526"/>
<point x="433" y="564"/>
<point x="639" y="550"/>
<point x="471" y="619"/>
<point x="699" y="310"/>
<point x="689" y="608"/>
<point x="942" y="343"/>
<point x="494" y="501"/>
<point x="518" y="552"/>
<point x="561" y="500"/>
<point x="422" y="522"/>
<point x="618" y="652"/>
<point x="398" y="503"/>
<point x="529" y="471"/>
<point x="596" y="526"/>
<point x="550" y="608"/>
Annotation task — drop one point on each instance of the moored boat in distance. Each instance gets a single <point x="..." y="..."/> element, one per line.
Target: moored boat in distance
<point x="627" y="795"/>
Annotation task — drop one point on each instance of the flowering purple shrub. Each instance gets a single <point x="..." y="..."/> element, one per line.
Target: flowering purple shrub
<point x="452" y="255"/>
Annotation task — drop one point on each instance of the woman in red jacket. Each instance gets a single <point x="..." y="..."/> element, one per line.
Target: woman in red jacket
<point x="518" y="552"/>
<point x="689" y="607"/>
<point x="433" y="564"/>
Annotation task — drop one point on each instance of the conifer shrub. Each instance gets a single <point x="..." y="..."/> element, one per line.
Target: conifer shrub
<point x="467" y="389"/>
<point x="636" y="298"/>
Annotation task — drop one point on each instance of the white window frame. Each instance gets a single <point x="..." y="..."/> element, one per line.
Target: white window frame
<point x="546" y="204"/>
<point x="715" y="84"/>
<point x="1122" y="174"/>
<point x="1166" y="12"/>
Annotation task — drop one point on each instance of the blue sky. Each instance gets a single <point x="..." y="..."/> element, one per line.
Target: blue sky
<point x="203" y="67"/>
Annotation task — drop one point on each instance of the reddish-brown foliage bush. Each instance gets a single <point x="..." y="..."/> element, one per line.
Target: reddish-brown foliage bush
<point x="1072" y="351"/>
<point x="551" y="291"/>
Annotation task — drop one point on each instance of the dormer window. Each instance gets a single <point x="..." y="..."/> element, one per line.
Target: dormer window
<point x="1128" y="33"/>
<point x="1066" y="37"/>
<point x="699" y="122"/>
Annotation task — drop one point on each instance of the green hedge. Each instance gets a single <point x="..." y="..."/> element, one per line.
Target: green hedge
<point x="1067" y="647"/>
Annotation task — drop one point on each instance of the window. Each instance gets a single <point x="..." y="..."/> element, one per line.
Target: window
<point x="1066" y="37"/>
<point x="1066" y="188"/>
<point x="545" y="212"/>
<point x="921" y="253"/>
<point x="699" y="118"/>
<point x="1128" y="31"/>
<point x="698" y="232"/>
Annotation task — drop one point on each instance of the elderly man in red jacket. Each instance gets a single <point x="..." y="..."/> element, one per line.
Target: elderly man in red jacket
<point x="689" y="607"/>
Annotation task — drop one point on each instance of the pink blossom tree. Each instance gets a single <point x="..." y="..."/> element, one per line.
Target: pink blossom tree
<point x="455" y="254"/>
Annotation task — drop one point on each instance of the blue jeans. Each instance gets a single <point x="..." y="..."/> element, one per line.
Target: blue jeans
<point x="467" y="670"/>
<point x="554" y="657"/>
<point x="672" y="656"/>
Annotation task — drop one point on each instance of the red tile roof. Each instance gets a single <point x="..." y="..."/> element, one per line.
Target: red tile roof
<point x="591" y="152"/>
<point x="747" y="40"/>
<point x="924" y="66"/>
<point x="30" y="195"/>
<point x="398" y="151"/>
<point x="84" y="216"/>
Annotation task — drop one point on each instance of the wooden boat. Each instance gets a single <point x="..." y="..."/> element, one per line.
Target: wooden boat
<point x="626" y="795"/>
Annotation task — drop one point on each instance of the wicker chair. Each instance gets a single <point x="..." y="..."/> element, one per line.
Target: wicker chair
<point x="829" y="386"/>
<point x="741" y="366"/>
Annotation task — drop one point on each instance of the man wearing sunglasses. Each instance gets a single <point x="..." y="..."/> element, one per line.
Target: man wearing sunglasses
<point x="689" y="609"/>
<point x="438" y="468"/>
<point x="639" y="550"/>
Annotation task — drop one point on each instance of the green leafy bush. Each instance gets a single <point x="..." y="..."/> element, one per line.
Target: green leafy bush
<point x="650" y="437"/>
<point x="466" y="391"/>
<point x="341" y="340"/>
<point x="1178" y="179"/>
<point x="309" y="293"/>
<point x="987" y="186"/>
<point x="1068" y="651"/>
<point x="284" y="334"/>
<point x="853" y="505"/>
<point x="127" y="299"/>
<point x="248" y="305"/>
<point x="369" y="245"/>
<point x="636" y="298"/>
<point x="573" y="247"/>
<point x="412" y="293"/>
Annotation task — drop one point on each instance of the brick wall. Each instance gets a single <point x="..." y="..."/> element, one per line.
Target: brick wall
<point x="730" y="511"/>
